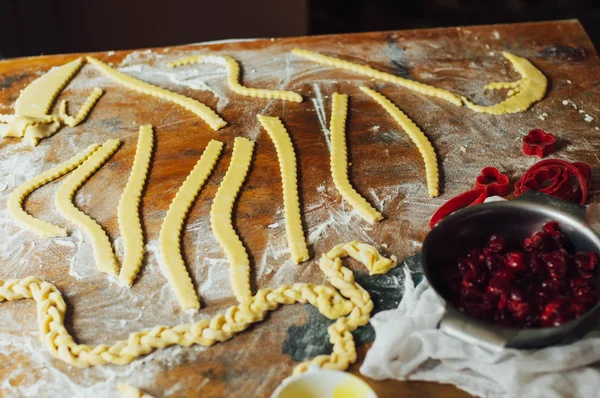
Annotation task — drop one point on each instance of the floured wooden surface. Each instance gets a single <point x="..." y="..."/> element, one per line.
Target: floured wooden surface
<point x="386" y="169"/>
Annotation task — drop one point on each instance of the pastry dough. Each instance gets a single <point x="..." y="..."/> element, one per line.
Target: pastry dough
<point x="37" y="98"/>
<point x="233" y="77"/>
<point x="31" y="119"/>
<point x="16" y="126"/>
<point x="129" y="391"/>
<point x="220" y="218"/>
<point x="32" y="128"/>
<point x="15" y="200"/>
<point x="351" y="308"/>
<point x="128" y="211"/>
<point x="34" y="133"/>
<point x="375" y="74"/>
<point x="339" y="160"/>
<point x="103" y="252"/>
<point x="170" y="232"/>
<point x="365" y="254"/>
<point x="291" y="203"/>
<point x="340" y="332"/>
<point x="83" y="112"/>
<point x="416" y="135"/>
<point x="522" y="94"/>
<point x="196" y="107"/>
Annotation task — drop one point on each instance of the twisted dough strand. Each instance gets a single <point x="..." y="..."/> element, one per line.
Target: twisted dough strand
<point x="340" y="332"/>
<point x="365" y="254"/>
<point x="233" y="77"/>
<point x="351" y="308"/>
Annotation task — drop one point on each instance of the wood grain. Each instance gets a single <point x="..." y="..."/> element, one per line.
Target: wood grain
<point x="386" y="168"/>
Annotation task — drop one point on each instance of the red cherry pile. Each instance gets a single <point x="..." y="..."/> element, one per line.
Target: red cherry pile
<point x="539" y="285"/>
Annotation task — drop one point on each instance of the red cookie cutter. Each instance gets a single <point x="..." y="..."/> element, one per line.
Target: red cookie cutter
<point x="495" y="182"/>
<point x="559" y="178"/>
<point x="489" y="183"/>
<point x="539" y="143"/>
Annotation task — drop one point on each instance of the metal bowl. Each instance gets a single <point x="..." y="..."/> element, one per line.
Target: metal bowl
<point x="515" y="220"/>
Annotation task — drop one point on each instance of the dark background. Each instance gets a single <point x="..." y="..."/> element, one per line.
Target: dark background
<point x="33" y="27"/>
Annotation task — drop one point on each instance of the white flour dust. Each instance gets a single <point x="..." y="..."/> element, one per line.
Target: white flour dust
<point x="319" y="105"/>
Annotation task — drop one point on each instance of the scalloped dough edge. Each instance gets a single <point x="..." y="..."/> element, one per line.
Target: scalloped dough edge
<point x="15" y="201"/>
<point x="289" y="180"/>
<point x="367" y="70"/>
<point x="103" y="251"/>
<point x="128" y="211"/>
<point x="198" y="108"/>
<point x="339" y="161"/>
<point x="221" y="218"/>
<point x="233" y="77"/>
<point x="416" y="135"/>
<point x="169" y="239"/>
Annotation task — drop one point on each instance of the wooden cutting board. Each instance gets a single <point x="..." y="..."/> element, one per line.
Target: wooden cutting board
<point x="386" y="168"/>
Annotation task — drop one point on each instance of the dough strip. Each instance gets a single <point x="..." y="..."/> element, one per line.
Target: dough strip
<point x="339" y="161"/>
<point x="196" y="107"/>
<point x="169" y="239"/>
<point x="221" y="218"/>
<point x="128" y="212"/>
<point x="289" y="180"/>
<point x="416" y="135"/>
<point x="103" y="251"/>
<point x="16" y="198"/>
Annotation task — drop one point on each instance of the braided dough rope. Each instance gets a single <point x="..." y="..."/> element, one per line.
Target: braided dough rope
<point x="233" y="77"/>
<point x="291" y="202"/>
<point x="366" y="254"/>
<point x="169" y="238"/>
<point x="196" y="107"/>
<point x="339" y="161"/>
<point x="375" y="74"/>
<point x="350" y="314"/>
<point x="15" y="200"/>
<point x="416" y="135"/>
<point x="522" y="93"/>
<point x="129" y="391"/>
<point x="340" y="332"/>
<point x="103" y="251"/>
<point x="83" y="112"/>
<point x="220" y="218"/>
<point x="128" y="212"/>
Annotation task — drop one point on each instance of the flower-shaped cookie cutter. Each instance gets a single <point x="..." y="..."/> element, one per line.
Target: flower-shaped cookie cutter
<point x="489" y="183"/>
<point x="538" y="143"/>
<point x="495" y="182"/>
